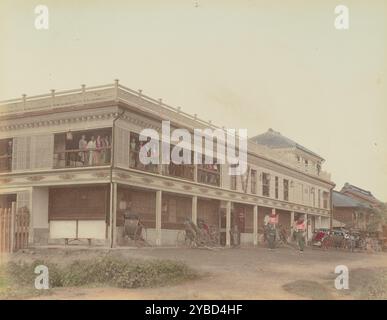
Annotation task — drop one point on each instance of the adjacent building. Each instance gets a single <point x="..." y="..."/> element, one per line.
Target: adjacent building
<point x="71" y="159"/>
<point x="353" y="207"/>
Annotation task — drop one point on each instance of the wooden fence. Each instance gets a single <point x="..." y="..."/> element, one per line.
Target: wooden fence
<point x="14" y="228"/>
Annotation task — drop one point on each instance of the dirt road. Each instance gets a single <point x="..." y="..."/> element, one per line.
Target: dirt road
<point x="246" y="273"/>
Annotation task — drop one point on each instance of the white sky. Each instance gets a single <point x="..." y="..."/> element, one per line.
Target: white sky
<point x="243" y="64"/>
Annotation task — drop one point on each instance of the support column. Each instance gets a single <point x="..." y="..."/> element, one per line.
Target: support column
<point x="113" y="215"/>
<point x="306" y="228"/>
<point x="291" y="225"/>
<point x="255" y="225"/>
<point x="158" y="217"/>
<point x="195" y="209"/>
<point x="228" y="224"/>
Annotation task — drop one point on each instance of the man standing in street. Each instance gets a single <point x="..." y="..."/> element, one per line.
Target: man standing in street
<point x="300" y="233"/>
<point x="272" y="229"/>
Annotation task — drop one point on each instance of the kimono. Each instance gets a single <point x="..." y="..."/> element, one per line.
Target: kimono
<point x="82" y="146"/>
<point x="91" y="148"/>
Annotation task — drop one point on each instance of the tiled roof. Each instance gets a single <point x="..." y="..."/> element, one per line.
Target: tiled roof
<point x="361" y="194"/>
<point x="342" y="200"/>
<point x="274" y="139"/>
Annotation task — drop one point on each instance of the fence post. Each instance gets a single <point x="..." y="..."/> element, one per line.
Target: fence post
<point x="1" y="230"/>
<point x="8" y="231"/>
<point x="13" y="213"/>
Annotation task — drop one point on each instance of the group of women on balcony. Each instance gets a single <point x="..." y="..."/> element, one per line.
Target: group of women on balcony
<point x="96" y="151"/>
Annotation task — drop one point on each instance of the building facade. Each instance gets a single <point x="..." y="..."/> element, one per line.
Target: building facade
<point x="354" y="207"/>
<point x="71" y="159"/>
<point x="348" y="212"/>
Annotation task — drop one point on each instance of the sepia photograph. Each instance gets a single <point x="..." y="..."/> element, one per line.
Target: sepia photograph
<point x="214" y="150"/>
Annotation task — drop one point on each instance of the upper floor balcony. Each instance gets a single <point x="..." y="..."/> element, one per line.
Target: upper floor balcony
<point x="73" y="99"/>
<point x="82" y="148"/>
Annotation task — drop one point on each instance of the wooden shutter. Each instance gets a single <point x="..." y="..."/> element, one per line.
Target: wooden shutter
<point x="21" y="153"/>
<point x="121" y="147"/>
<point x="42" y="148"/>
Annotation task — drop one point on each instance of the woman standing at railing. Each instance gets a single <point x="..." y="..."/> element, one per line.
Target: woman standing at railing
<point x="106" y="150"/>
<point x="91" y="145"/>
<point x="98" y="151"/>
<point x="82" y="145"/>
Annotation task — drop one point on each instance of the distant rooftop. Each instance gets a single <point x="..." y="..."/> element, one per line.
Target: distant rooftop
<point x="342" y="200"/>
<point x="356" y="191"/>
<point x="275" y="140"/>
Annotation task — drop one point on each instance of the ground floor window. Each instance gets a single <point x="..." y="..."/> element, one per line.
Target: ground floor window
<point x="137" y="202"/>
<point x="175" y="210"/>
<point x="79" y="203"/>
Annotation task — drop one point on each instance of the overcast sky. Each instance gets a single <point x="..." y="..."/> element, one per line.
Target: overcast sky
<point x="243" y="64"/>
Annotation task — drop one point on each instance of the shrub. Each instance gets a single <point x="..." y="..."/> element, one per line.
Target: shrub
<point x="105" y="271"/>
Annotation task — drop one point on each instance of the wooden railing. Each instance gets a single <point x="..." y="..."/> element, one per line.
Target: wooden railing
<point x="135" y="163"/>
<point x="82" y="158"/>
<point x="208" y="176"/>
<point x="184" y="171"/>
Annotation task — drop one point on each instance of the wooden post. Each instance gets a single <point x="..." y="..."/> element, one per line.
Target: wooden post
<point x="228" y="224"/>
<point x="158" y="216"/>
<point x="1" y="229"/>
<point x="255" y="225"/>
<point x="291" y="225"/>
<point x="194" y="209"/>
<point x="306" y="228"/>
<point x="113" y="215"/>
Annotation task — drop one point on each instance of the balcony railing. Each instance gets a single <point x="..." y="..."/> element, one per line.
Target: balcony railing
<point x="135" y="163"/>
<point x="82" y="158"/>
<point x="208" y="176"/>
<point x="184" y="171"/>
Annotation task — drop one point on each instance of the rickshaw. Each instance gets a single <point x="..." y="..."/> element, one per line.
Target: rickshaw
<point x="133" y="228"/>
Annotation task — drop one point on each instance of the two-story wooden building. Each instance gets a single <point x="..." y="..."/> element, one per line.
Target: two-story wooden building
<point x="71" y="159"/>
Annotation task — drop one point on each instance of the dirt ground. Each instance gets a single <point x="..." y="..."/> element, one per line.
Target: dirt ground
<point x="242" y="273"/>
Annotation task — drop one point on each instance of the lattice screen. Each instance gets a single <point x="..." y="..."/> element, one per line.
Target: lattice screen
<point x="121" y="147"/>
<point x="21" y="153"/>
<point x="33" y="152"/>
<point x="42" y="148"/>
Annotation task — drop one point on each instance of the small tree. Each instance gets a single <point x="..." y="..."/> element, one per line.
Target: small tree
<point x="378" y="218"/>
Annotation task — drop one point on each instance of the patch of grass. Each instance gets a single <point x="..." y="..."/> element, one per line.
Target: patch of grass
<point x="106" y="271"/>
<point x="308" y="289"/>
<point x="3" y="279"/>
<point x="370" y="283"/>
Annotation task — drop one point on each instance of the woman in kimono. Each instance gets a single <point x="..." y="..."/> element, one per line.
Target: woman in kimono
<point x="91" y="145"/>
<point x="98" y="150"/>
<point x="82" y="146"/>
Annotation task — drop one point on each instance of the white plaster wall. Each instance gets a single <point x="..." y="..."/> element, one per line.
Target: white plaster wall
<point x="169" y="237"/>
<point x="40" y="207"/>
<point x="247" y="238"/>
